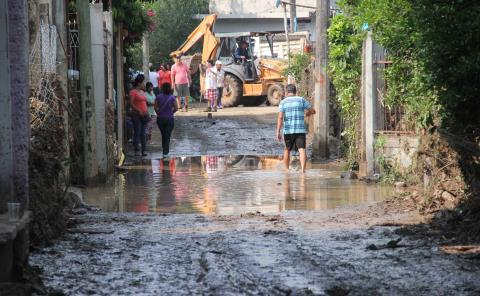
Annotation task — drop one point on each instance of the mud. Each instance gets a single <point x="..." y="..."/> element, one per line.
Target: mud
<point x="232" y="131"/>
<point x="239" y="246"/>
<point x="295" y="253"/>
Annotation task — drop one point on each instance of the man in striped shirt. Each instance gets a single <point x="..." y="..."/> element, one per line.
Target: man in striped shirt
<point x="291" y="116"/>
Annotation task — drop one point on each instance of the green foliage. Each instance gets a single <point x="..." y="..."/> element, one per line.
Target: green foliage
<point x="132" y="15"/>
<point x="134" y="56"/>
<point x="435" y="50"/>
<point x="448" y="42"/>
<point x="345" y="71"/>
<point x="174" y="21"/>
<point x="298" y="63"/>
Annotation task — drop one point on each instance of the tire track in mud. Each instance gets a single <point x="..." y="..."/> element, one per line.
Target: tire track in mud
<point x="260" y="260"/>
<point x="251" y="254"/>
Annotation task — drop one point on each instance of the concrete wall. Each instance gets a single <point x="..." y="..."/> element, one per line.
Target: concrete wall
<point x="98" y="67"/>
<point x="18" y="54"/>
<point x="399" y="149"/>
<point x="6" y="164"/>
<point x="14" y="136"/>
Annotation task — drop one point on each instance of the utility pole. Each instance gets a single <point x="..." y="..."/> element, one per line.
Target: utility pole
<point x="293" y="15"/>
<point x="87" y="93"/>
<point x="285" y="24"/>
<point x="321" y="123"/>
<point x="98" y="69"/>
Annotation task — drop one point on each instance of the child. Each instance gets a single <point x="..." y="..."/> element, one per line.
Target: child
<point x="211" y="87"/>
<point x="150" y="93"/>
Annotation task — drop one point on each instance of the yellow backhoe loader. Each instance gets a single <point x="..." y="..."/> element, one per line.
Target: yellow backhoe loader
<point x="245" y="80"/>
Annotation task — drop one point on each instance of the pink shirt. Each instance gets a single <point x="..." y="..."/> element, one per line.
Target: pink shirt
<point x="139" y="100"/>
<point x="180" y="73"/>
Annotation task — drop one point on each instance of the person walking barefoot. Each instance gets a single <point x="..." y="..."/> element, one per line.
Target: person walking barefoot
<point x="292" y="112"/>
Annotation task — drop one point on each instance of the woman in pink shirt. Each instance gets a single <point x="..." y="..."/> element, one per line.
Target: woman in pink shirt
<point x="181" y="80"/>
<point x="140" y="115"/>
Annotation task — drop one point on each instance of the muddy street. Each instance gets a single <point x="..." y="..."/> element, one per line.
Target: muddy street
<point x="222" y="217"/>
<point x="231" y="131"/>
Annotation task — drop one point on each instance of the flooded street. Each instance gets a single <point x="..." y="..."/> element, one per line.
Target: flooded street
<point x="222" y="217"/>
<point x="229" y="185"/>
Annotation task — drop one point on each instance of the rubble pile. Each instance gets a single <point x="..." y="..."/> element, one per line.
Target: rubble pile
<point x="450" y="168"/>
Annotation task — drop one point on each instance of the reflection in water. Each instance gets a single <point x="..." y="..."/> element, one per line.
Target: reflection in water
<point x="228" y="185"/>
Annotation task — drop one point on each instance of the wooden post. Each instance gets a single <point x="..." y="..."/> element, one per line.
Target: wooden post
<point x="321" y="122"/>
<point x="87" y="93"/>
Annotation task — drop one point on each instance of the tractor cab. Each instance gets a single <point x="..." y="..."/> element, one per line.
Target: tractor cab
<point x="234" y="45"/>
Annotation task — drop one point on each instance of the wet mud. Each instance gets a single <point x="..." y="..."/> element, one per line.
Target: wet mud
<point x="294" y="253"/>
<point x="231" y="225"/>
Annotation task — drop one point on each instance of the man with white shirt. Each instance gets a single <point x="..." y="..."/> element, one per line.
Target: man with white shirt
<point x="153" y="78"/>
<point x="220" y="82"/>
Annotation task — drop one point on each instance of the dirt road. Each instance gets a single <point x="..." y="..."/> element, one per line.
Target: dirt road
<point x="369" y="249"/>
<point x="231" y="131"/>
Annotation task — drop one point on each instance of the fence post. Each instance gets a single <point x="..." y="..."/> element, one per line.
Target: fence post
<point x="87" y="93"/>
<point x="369" y="103"/>
<point x="6" y="164"/>
<point x="19" y="90"/>
<point x="98" y="68"/>
<point x="120" y="89"/>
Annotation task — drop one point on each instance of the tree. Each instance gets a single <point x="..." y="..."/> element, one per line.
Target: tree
<point x="174" y="21"/>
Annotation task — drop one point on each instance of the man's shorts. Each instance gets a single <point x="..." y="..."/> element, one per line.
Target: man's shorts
<point x="181" y="90"/>
<point x="295" y="141"/>
<point x="211" y="94"/>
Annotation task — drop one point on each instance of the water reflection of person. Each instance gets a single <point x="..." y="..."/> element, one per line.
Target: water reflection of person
<point x="166" y="201"/>
<point x="295" y="192"/>
<point x="140" y="180"/>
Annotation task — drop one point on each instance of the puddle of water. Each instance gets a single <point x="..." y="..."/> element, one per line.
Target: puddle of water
<point x="229" y="185"/>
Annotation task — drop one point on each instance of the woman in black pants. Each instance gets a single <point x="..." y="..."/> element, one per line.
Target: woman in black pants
<point x="165" y="106"/>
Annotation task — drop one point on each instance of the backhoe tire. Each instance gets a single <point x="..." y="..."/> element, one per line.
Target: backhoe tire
<point x="232" y="91"/>
<point x="275" y="94"/>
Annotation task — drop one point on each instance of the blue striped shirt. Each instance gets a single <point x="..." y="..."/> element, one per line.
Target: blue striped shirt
<point x="294" y="114"/>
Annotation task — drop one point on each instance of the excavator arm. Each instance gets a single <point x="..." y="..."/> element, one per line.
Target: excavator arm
<point x="210" y="43"/>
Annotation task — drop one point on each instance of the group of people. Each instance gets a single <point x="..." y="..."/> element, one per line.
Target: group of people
<point x="150" y="106"/>
<point x="168" y="91"/>
<point x="157" y="102"/>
